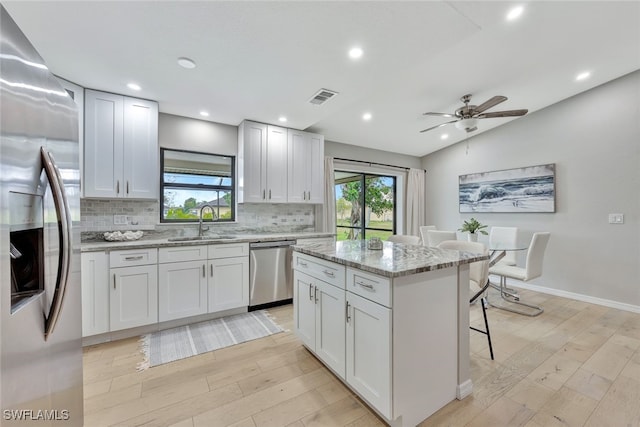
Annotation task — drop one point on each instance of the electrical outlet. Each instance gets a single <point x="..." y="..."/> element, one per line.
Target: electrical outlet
<point x="616" y="218"/>
<point x="120" y="220"/>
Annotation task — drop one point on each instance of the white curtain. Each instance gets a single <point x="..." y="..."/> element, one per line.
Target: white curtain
<point x="415" y="197"/>
<point x="328" y="220"/>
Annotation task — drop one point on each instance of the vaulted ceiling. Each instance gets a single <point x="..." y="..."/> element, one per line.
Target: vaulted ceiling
<point x="264" y="60"/>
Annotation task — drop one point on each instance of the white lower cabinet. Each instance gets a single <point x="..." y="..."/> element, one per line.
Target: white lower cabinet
<point x="369" y="351"/>
<point x="182" y="289"/>
<point x="351" y="334"/>
<point x="304" y="306"/>
<point x="397" y="353"/>
<point x="228" y="284"/>
<point x="125" y="289"/>
<point x="330" y="332"/>
<point x="134" y="296"/>
<point x="182" y="282"/>
<point x="95" y="293"/>
<point x="133" y="299"/>
<point x="319" y="318"/>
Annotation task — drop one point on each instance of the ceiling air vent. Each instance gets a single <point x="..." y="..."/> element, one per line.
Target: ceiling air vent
<point x="322" y="96"/>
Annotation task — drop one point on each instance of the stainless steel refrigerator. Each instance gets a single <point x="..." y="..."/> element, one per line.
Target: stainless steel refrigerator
<point x="40" y="304"/>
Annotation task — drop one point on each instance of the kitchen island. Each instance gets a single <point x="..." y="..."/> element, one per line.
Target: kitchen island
<point x="392" y="324"/>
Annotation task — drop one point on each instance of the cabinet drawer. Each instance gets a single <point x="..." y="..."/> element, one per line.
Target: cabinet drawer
<point x="370" y="286"/>
<point x="228" y="250"/>
<point x="326" y="271"/>
<point x="182" y="253"/>
<point x="133" y="257"/>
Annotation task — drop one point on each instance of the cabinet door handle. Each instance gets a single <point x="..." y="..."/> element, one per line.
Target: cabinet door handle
<point x="211" y="265"/>
<point x="118" y="186"/>
<point x="264" y="194"/>
<point x="133" y="258"/>
<point x="304" y="195"/>
<point x="269" y="194"/>
<point x="347" y="312"/>
<point x="114" y="280"/>
<point x="204" y="270"/>
<point x="365" y="285"/>
<point x="310" y="294"/>
<point x="308" y="195"/>
<point x="315" y="294"/>
<point x="302" y="263"/>
<point x="329" y="273"/>
<point x="127" y="186"/>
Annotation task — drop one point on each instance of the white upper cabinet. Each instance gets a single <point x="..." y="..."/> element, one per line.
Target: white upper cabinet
<point x="120" y="147"/>
<point x="262" y="164"/>
<point x="279" y="165"/>
<point x="276" y="165"/>
<point x="305" y="167"/>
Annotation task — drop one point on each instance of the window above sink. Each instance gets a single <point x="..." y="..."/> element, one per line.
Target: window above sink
<point x="189" y="181"/>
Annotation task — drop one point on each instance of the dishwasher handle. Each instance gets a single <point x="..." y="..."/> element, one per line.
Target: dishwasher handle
<point x="270" y="245"/>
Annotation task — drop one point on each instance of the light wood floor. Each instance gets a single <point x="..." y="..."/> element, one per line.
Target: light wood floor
<point x="577" y="364"/>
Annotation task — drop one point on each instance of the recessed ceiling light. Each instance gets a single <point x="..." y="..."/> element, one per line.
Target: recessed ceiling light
<point x="515" y="13"/>
<point x="282" y="119"/>
<point x="186" y="63"/>
<point x="134" y="86"/>
<point x="366" y="116"/>
<point x="582" y="76"/>
<point x="204" y="113"/>
<point x="444" y="136"/>
<point x="355" y="53"/>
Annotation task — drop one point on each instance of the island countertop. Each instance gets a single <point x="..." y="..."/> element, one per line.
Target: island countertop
<point x="393" y="260"/>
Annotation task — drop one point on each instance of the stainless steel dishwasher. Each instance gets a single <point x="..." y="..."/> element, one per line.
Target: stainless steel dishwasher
<point x="270" y="273"/>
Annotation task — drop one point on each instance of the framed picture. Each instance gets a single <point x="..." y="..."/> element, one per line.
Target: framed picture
<point x="527" y="189"/>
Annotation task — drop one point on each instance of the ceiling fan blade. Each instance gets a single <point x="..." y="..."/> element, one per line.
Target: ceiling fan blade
<point x="507" y="113"/>
<point x="489" y="103"/>
<point x="438" y="114"/>
<point x="434" y="127"/>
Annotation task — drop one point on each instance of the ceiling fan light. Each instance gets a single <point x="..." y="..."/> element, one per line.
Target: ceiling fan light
<point x="467" y="125"/>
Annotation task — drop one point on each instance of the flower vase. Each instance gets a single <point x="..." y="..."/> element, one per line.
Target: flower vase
<point x="473" y="237"/>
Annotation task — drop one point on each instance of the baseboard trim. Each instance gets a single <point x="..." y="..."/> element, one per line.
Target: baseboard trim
<point x="576" y="296"/>
<point x="463" y="390"/>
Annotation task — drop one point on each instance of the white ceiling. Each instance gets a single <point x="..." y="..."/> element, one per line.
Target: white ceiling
<point x="261" y="60"/>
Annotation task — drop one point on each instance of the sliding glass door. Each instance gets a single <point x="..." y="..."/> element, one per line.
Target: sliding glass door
<point x="365" y="205"/>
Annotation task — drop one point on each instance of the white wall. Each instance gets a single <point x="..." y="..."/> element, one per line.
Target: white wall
<point x="594" y="140"/>
<point x="184" y="133"/>
<point x="353" y="152"/>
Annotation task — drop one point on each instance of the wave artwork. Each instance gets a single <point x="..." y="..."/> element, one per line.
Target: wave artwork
<point x="528" y="189"/>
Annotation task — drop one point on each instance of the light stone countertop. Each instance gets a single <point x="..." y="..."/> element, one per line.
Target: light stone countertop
<point x="155" y="241"/>
<point x="394" y="260"/>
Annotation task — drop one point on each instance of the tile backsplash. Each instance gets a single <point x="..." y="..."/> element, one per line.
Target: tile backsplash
<point x="103" y="215"/>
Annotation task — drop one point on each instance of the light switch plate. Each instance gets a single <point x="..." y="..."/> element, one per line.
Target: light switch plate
<point x="616" y="218"/>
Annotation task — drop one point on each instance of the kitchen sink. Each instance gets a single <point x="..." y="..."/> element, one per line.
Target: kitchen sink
<point x="195" y="238"/>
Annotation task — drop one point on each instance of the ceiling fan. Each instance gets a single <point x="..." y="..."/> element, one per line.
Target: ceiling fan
<point x="466" y="118"/>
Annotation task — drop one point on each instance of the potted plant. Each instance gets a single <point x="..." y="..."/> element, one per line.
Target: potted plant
<point x="473" y="227"/>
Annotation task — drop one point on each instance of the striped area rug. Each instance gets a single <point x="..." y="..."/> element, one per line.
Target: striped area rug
<point x="186" y="341"/>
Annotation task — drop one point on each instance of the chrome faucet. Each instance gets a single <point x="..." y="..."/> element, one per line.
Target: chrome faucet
<point x="213" y="214"/>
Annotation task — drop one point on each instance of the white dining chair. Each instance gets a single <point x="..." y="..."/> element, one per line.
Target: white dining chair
<point x="478" y="279"/>
<point x="435" y="237"/>
<point x="504" y="237"/>
<point x="531" y="270"/>
<point x="423" y="232"/>
<point x="407" y="239"/>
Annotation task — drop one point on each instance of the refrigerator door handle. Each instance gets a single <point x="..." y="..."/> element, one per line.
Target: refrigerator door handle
<point x="64" y="228"/>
